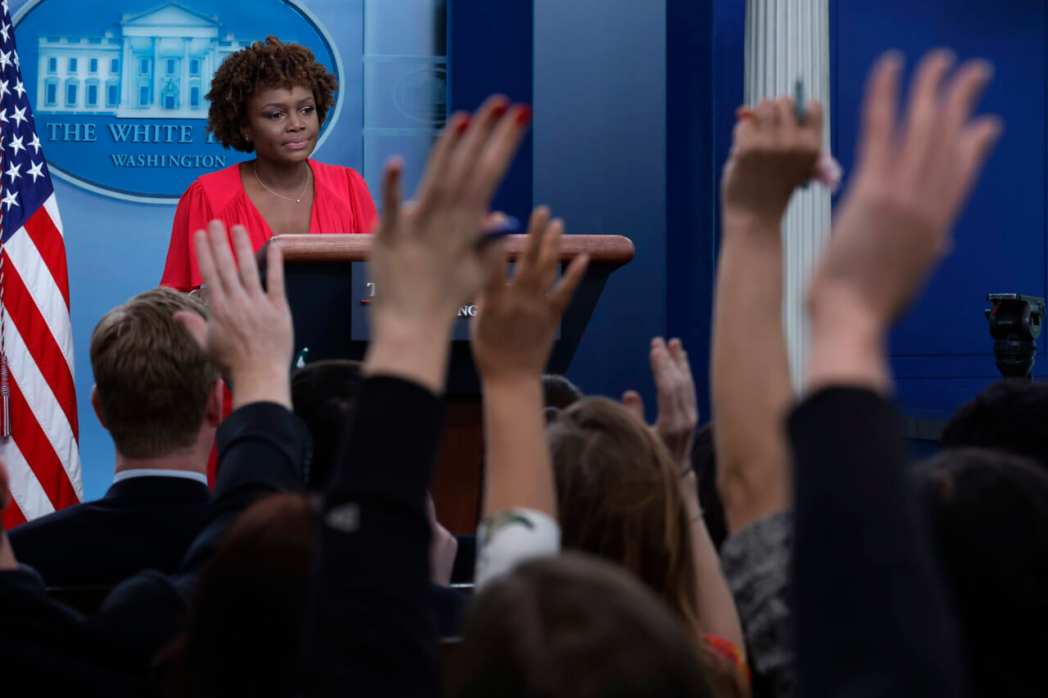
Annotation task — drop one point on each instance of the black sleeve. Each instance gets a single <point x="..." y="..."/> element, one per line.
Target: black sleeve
<point x="49" y="646"/>
<point x="262" y="450"/>
<point x="871" y="616"/>
<point x="370" y="628"/>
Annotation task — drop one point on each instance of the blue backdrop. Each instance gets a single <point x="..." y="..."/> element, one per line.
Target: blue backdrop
<point x="634" y="107"/>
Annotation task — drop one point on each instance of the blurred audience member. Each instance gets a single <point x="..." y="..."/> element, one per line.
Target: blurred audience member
<point x="989" y="525"/>
<point x="1010" y="415"/>
<point x="576" y="627"/>
<point x="244" y="633"/>
<point x="323" y="394"/>
<point x="558" y="393"/>
<point x="627" y="493"/>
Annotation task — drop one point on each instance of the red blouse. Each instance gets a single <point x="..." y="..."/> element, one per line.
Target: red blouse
<point x="341" y="204"/>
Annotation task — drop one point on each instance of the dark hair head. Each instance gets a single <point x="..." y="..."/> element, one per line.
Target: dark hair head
<point x="574" y="626"/>
<point x="152" y="379"/>
<point x="619" y="498"/>
<point x="246" y="623"/>
<point x="1010" y="415"/>
<point x="262" y="65"/>
<point x="559" y="392"/>
<point x="323" y="394"/>
<point x="989" y="521"/>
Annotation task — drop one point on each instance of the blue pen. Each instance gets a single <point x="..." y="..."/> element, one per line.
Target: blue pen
<point x="800" y="109"/>
<point x="508" y="225"/>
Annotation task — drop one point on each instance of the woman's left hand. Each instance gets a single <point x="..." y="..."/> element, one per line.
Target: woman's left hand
<point x="678" y="408"/>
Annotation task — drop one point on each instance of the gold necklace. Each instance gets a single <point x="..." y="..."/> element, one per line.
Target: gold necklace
<point x="301" y="194"/>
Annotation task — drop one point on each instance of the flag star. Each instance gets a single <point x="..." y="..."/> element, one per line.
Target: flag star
<point x="3" y="116"/>
<point x="20" y="89"/>
<point x="14" y="171"/>
<point x="35" y="144"/>
<point x="5" y="31"/>
<point x="19" y="116"/>
<point x="14" y="56"/>
<point x="6" y="7"/>
<point x="16" y="144"/>
<point x="4" y="89"/>
<point x="36" y="170"/>
<point x="10" y="199"/>
<point x="5" y="59"/>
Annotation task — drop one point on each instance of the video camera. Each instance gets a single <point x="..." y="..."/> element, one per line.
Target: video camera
<point x="1015" y="323"/>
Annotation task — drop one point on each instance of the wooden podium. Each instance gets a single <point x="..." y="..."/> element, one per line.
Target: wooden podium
<point x="329" y="293"/>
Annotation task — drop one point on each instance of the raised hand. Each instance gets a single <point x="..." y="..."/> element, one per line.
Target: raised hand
<point x="513" y="333"/>
<point x="675" y="390"/>
<point x="428" y="257"/>
<point x="913" y="177"/>
<point x="249" y="333"/>
<point x="427" y="260"/>
<point x="772" y="155"/>
<point x="512" y="339"/>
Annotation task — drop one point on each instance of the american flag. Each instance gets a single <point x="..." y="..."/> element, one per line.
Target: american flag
<point x="37" y="392"/>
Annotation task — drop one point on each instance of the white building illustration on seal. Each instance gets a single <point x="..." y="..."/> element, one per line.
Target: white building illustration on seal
<point x="160" y="66"/>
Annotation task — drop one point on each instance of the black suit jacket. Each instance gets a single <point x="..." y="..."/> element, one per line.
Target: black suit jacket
<point x="141" y="523"/>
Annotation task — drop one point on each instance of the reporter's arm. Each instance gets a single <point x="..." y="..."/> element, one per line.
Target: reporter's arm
<point x="751" y="391"/>
<point x="750" y="379"/>
<point x="772" y="155"/>
<point x="675" y="424"/>
<point x="512" y="340"/>
<point x="863" y="556"/>
<point x="716" y="605"/>
<point x="370" y="625"/>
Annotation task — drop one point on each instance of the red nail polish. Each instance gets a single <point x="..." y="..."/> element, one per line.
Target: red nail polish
<point x="499" y="109"/>
<point x="462" y="125"/>
<point x="523" y="115"/>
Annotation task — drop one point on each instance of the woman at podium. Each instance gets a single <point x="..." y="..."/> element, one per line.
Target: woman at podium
<point x="269" y="98"/>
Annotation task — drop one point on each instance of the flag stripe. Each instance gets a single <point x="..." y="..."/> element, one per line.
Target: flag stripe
<point x="46" y="293"/>
<point x="27" y="492"/>
<point x="49" y="359"/>
<point x="13" y="516"/>
<point x="38" y="451"/>
<point x="51" y="205"/>
<point x="43" y="407"/>
<point x="51" y="247"/>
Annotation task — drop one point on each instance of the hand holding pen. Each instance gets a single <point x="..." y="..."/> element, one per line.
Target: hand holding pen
<point x="827" y="170"/>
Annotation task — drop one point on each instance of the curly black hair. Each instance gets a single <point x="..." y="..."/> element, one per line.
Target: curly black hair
<point x="263" y="64"/>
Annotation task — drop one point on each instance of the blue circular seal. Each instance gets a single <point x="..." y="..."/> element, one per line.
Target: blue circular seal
<point x="118" y="87"/>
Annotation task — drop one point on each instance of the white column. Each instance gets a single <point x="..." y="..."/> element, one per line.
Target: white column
<point x="786" y="41"/>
